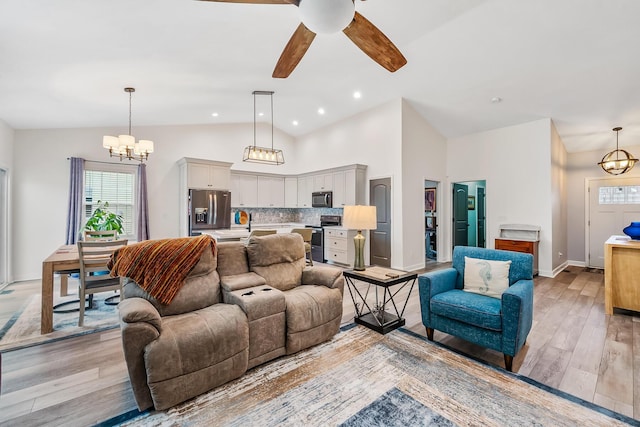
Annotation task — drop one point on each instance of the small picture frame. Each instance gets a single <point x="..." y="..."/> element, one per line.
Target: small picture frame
<point x="430" y="222"/>
<point x="430" y="199"/>
<point x="471" y="203"/>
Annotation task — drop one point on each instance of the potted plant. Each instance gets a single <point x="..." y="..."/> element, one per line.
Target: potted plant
<point x="103" y="219"/>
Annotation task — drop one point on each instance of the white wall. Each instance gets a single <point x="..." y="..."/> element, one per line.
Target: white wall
<point x="515" y="162"/>
<point x="559" y="251"/>
<point x="580" y="167"/>
<point x="41" y="178"/>
<point x="7" y="136"/>
<point x="423" y="151"/>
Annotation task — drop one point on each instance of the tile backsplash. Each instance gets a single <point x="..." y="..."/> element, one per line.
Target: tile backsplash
<point x="279" y="215"/>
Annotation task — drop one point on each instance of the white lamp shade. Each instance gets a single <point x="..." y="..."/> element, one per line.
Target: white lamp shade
<point x="145" y="146"/>
<point x="326" y="16"/>
<point x="127" y="141"/>
<point x="110" y="142"/>
<point x="359" y="217"/>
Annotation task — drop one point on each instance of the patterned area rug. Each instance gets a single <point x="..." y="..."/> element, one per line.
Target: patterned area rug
<point x="23" y="329"/>
<point x="362" y="378"/>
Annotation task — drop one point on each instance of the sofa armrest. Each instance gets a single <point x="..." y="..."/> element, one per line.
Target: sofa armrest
<point x="241" y="281"/>
<point x="140" y="324"/>
<point x="517" y="315"/>
<point x="433" y="283"/>
<point x="330" y="277"/>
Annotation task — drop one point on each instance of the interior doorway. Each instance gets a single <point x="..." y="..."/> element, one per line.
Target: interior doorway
<point x="430" y="221"/>
<point x="469" y="214"/>
<point x="380" y="238"/>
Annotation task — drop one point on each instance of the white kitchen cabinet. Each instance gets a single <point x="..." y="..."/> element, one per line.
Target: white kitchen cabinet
<point x="207" y="175"/>
<point x="244" y="190"/>
<point x="291" y="192"/>
<point x="323" y="182"/>
<point x="349" y="187"/>
<point x="338" y="245"/>
<point x="270" y="192"/>
<point x="305" y="188"/>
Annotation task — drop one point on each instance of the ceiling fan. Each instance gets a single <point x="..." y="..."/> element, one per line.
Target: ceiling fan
<point x="330" y="16"/>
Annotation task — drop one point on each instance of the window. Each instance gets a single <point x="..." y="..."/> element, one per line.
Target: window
<point x="115" y="184"/>
<point x="619" y="195"/>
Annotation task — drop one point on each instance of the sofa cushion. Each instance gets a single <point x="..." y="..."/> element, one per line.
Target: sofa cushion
<point x="198" y="291"/>
<point x="279" y="258"/>
<point x="486" y="277"/>
<point x="474" y="309"/>
<point x="193" y="341"/>
<point x="232" y="258"/>
<point x="309" y="306"/>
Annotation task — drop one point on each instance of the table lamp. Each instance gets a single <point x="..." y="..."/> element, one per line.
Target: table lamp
<point x="359" y="218"/>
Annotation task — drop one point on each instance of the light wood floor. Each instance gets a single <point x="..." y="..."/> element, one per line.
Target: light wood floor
<point x="573" y="346"/>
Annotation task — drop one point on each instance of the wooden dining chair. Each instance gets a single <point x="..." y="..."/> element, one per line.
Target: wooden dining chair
<point x="100" y="235"/>
<point x="94" y="275"/>
<point x="306" y="236"/>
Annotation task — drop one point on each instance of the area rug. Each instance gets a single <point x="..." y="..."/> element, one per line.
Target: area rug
<point x="23" y="329"/>
<point x="362" y="378"/>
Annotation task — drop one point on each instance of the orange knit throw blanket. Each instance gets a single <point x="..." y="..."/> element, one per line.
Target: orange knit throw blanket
<point x="160" y="266"/>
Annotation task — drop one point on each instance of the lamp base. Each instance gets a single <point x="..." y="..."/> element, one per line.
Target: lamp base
<point x="358" y="242"/>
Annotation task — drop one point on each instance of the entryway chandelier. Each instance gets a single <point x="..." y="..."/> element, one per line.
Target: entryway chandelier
<point x="255" y="154"/>
<point x="125" y="146"/>
<point x="618" y="161"/>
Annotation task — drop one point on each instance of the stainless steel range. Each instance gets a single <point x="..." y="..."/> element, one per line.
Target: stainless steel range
<point x="317" y="237"/>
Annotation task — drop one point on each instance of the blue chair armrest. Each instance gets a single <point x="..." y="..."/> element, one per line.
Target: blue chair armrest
<point x="433" y="283"/>
<point x="517" y="315"/>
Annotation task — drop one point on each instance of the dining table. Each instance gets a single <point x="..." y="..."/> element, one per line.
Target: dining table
<point x="64" y="260"/>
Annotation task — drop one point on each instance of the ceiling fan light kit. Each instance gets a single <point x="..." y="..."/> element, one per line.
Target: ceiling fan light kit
<point x="617" y="161"/>
<point x="125" y="146"/>
<point x="255" y="154"/>
<point x="328" y="17"/>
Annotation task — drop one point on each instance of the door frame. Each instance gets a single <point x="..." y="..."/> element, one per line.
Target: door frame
<point x="587" y="211"/>
<point x="438" y="215"/>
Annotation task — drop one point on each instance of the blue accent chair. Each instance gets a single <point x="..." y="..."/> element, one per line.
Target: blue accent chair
<point x="500" y="324"/>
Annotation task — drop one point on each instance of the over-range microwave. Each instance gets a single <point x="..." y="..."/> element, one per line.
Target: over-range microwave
<point x="322" y="199"/>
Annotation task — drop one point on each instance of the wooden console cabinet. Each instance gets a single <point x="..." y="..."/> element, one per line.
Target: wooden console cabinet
<point x="621" y="274"/>
<point x="526" y="246"/>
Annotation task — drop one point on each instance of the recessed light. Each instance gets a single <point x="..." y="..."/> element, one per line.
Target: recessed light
<point x="295" y="123"/>
<point x="214" y="114"/>
<point x="357" y="95"/>
<point x="261" y="114"/>
<point x="321" y="111"/>
<point x="496" y="100"/>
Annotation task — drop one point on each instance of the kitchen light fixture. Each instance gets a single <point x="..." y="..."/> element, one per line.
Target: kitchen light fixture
<point x="617" y="161"/>
<point x="359" y="218"/>
<point x="125" y="146"/>
<point x="255" y="154"/>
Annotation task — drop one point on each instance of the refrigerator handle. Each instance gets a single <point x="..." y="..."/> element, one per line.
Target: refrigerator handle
<point x="210" y="209"/>
<point x="215" y="211"/>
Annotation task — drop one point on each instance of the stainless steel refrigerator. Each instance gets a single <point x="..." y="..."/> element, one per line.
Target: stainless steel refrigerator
<point x="209" y="210"/>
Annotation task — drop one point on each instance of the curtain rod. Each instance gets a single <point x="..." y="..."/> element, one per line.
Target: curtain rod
<point x="105" y="163"/>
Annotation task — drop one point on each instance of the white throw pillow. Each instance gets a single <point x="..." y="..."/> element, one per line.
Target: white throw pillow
<point x="490" y="278"/>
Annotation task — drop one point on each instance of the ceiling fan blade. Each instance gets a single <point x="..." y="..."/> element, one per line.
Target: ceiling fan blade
<point x="374" y="43"/>
<point x="293" y="52"/>
<point x="258" y="1"/>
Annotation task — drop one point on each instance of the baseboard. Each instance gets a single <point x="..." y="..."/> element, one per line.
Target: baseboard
<point x="559" y="268"/>
<point x="577" y="263"/>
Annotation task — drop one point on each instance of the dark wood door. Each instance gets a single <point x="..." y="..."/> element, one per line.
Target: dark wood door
<point x="380" y="238"/>
<point x="480" y="206"/>
<point x="460" y="215"/>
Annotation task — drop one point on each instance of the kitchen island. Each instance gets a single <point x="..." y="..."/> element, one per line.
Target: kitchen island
<point x="241" y="232"/>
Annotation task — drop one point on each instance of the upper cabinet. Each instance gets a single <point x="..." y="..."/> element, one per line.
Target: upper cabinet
<point x="323" y="182"/>
<point x="305" y="188"/>
<point x="270" y="192"/>
<point x="244" y="190"/>
<point x="206" y="174"/>
<point x="349" y="187"/>
<point x="291" y="192"/>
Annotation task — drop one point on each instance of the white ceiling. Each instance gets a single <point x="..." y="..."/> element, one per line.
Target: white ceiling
<point x="64" y="64"/>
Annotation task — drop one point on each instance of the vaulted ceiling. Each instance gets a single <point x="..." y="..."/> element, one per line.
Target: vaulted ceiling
<point x="64" y="64"/>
